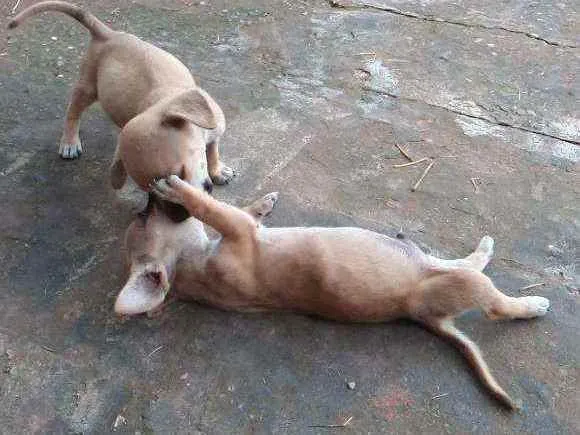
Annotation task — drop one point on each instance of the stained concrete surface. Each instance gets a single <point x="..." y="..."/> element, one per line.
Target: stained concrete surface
<point x="316" y="94"/>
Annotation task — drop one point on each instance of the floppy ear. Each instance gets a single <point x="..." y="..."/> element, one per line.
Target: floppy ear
<point x="191" y="106"/>
<point x="144" y="291"/>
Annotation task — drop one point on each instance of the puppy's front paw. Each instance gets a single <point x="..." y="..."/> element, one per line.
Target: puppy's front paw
<point x="266" y="204"/>
<point x="224" y="175"/>
<point x="70" y="151"/>
<point x="169" y="189"/>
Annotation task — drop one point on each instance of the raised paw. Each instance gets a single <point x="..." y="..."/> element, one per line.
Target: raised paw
<point x="262" y="207"/>
<point x="486" y="246"/>
<point x="266" y="204"/>
<point x="537" y="306"/>
<point x="224" y="175"/>
<point x="70" y="151"/>
<point x="168" y="189"/>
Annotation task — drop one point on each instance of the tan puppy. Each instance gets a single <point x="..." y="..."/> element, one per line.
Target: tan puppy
<point x="347" y="274"/>
<point x="169" y="125"/>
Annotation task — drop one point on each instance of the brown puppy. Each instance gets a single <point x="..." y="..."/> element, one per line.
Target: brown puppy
<point x="347" y="274"/>
<point x="169" y="125"/>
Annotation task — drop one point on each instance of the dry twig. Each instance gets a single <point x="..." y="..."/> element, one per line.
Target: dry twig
<point x="422" y="177"/>
<point x="330" y="426"/>
<point x="402" y="151"/>
<point x="15" y="7"/>
<point x="153" y="352"/>
<point x="531" y="286"/>
<point x="415" y="162"/>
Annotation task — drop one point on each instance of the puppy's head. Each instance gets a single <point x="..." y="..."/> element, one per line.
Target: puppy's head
<point x="152" y="244"/>
<point x="167" y="139"/>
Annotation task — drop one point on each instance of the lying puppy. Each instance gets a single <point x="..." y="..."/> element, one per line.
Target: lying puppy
<point x="169" y="125"/>
<point x="346" y="274"/>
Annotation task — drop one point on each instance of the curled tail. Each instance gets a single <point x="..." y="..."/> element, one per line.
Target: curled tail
<point x="469" y="349"/>
<point x="98" y="29"/>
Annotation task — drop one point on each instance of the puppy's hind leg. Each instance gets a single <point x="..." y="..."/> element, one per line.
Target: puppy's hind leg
<point x="445" y="294"/>
<point x="451" y="292"/>
<point x="482" y="255"/>
<point x="445" y="328"/>
<point x="476" y="260"/>
<point x="83" y="96"/>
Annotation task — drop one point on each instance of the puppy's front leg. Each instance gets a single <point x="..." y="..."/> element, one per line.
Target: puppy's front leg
<point x="219" y="173"/>
<point x="229" y="221"/>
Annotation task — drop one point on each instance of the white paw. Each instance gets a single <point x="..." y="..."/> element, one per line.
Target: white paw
<point x="225" y="175"/>
<point x="537" y="305"/>
<point x="272" y="197"/>
<point x="70" y="151"/>
<point x="168" y="189"/>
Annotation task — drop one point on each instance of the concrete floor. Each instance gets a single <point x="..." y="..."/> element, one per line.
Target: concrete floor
<point x="312" y="114"/>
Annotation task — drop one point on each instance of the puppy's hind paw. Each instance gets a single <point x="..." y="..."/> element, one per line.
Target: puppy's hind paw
<point x="70" y="151"/>
<point x="486" y="245"/>
<point x="537" y="306"/>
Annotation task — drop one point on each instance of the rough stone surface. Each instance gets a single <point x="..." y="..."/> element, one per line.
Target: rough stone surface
<point x="313" y="115"/>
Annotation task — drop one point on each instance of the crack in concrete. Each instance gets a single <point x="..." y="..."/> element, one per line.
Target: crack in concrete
<point x="341" y="4"/>
<point x="481" y="118"/>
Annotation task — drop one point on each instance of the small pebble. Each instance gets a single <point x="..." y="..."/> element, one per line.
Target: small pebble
<point x="351" y="385"/>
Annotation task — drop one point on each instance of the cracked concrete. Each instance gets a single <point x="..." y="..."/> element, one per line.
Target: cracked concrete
<point x="468" y="9"/>
<point x="315" y="97"/>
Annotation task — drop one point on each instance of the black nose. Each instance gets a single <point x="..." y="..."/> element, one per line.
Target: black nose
<point x="208" y="185"/>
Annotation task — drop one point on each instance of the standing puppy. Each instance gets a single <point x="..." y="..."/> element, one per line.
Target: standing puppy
<point x="346" y="274"/>
<point x="168" y="124"/>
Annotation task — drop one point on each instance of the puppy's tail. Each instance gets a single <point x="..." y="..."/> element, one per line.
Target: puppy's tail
<point x="446" y="329"/>
<point x="98" y="29"/>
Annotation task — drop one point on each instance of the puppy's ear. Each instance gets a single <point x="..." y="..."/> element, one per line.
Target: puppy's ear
<point x="191" y="106"/>
<point x="145" y="290"/>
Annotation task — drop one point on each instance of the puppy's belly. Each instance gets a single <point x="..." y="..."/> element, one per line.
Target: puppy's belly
<point x="340" y="273"/>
